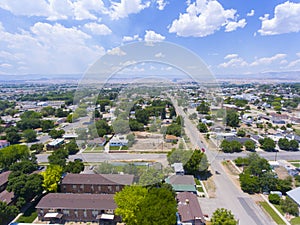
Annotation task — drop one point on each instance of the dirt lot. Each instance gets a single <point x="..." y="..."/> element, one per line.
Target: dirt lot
<point x="151" y="142"/>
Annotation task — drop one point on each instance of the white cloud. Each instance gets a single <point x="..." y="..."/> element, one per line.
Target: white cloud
<point x="55" y="9"/>
<point x="133" y="38"/>
<point x="203" y="18"/>
<point x="251" y="13"/>
<point x="294" y="63"/>
<point x="125" y="7"/>
<point x="116" y="51"/>
<point x="286" y="20"/>
<point x="98" y="29"/>
<point x="268" y="60"/>
<point x="161" y="4"/>
<point x="230" y="56"/>
<point x="159" y="55"/>
<point x="298" y="54"/>
<point x="235" y="62"/>
<point x="151" y="36"/>
<point x="232" y="25"/>
<point x="47" y="48"/>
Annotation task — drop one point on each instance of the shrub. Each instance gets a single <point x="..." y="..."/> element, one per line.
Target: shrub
<point x="274" y="199"/>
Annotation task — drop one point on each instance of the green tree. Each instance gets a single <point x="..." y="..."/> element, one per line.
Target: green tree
<point x="284" y="144"/>
<point x="179" y="156"/>
<point x="38" y="148"/>
<point x="249" y="145"/>
<point x="202" y="128"/>
<point x="24" y="166"/>
<point x="58" y="157"/>
<point x="105" y="168"/>
<point x="47" y="125"/>
<point x="241" y="133"/>
<point x="12" y="154"/>
<point x="268" y="144"/>
<point x="7" y="213"/>
<point x="232" y="118"/>
<point x="52" y="177"/>
<point x="12" y="135"/>
<point x="29" y="135"/>
<point x="56" y="133"/>
<point x="289" y="206"/>
<point x="294" y="145"/>
<point x="151" y="176"/>
<point x="223" y="216"/>
<point x="174" y="129"/>
<point x="197" y="164"/>
<point x="274" y="199"/>
<point x="249" y="183"/>
<point x="128" y="203"/>
<point x="142" y="116"/>
<point x="135" y="125"/>
<point x="157" y="198"/>
<point x="203" y="108"/>
<point x="74" y="167"/>
<point x="72" y="147"/>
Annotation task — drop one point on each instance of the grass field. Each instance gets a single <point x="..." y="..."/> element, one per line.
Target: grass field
<point x="272" y="213"/>
<point x="295" y="221"/>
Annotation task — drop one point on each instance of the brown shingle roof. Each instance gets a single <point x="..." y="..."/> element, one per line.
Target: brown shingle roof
<point x="104" y="179"/>
<point x="77" y="201"/>
<point x="182" y="179"/>
<point x="6" y="196"/>
<point x="4" y="177"/>
<point x="188" y="207"/>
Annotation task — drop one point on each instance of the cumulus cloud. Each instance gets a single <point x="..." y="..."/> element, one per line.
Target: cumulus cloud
<point x="233" y="25"/>
<point x="161" y="4"/>
<point x="235" y="61"/>
<point x="52" y="49"/>
<point x="125" y="7"/>
<point x="251" y="13"/>
<point x="133" y="38"/>
<point x="151" y="36"/>
<point x="286" y="20"/>
<point x="116" y="51"/>
<point x="55" y="9"/>
<point x="230" y="56"/>
<point x="203" y="18"/>
<point x="98" y="29"/>
<point x="159" y="55"/>
<point x="268" y="60"/>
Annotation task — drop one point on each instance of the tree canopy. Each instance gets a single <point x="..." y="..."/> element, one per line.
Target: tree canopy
<point x="51" y="177"/>
<point x="223" y="216"/>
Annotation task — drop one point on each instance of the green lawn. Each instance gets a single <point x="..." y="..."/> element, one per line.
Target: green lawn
<point x="295" y="221"/>
<point x="197" y="181"/>
<point x="29" y="216"/>
<point x="272" y="213"/>
<point x="200" y="189"/>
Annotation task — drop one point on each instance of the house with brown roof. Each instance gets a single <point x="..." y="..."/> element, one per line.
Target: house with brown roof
<point x="5" y="196"/>
<point x="62" y="207"/>
<point x="182" y="183"/>
<point x="95" y="183"/>
<point x="189" y="210"/>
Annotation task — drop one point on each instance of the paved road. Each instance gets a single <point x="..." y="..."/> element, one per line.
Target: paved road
<point x="227" y="194"/>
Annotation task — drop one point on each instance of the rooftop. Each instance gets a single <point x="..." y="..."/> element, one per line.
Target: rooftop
<point x="77" y="201"/>
<point x="104" y="179"/>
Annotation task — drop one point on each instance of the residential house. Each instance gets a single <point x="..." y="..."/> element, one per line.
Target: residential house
<point x="95" y="183"/>
<point x="5" y="196"/>
<point x="118" y="141"/>
<point x="171" y="138"/>
<point x="55" y="143"/>
<point x="189" y="210"/>
<point x="97" y="141"/>
<point x="295" y="195"/>
<point x="178" y="168"/>
<point x="182" y="183"/>
<point x="62" y="207"/>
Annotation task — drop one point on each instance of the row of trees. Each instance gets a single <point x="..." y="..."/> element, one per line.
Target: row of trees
<point x="285" y="144"/>
<point x="235" y="146"/>
<point x="257" y="176"/>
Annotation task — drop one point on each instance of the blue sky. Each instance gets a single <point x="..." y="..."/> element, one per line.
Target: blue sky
<point x="66" y="36"/>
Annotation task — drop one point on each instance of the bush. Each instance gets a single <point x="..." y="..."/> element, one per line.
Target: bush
<point x="274" y="199"/>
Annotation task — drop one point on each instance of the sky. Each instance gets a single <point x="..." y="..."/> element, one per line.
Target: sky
<point x="67" y="36"/>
